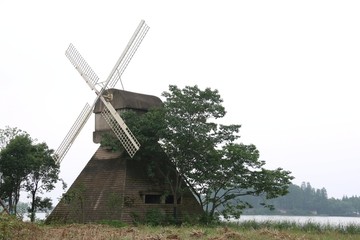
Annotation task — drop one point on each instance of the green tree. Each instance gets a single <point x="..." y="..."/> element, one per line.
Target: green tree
<point x="202" y="153"/>
<point x="5" y="136"/>
<point x="42" y="177"/>
<point x="8" y="134"/>
<point x="39" y="204"/>
<point x="15" y="164"/>
<point x="26" y="165"/>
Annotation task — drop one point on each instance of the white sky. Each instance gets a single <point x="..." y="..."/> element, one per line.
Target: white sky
<point x="287" y="71"/>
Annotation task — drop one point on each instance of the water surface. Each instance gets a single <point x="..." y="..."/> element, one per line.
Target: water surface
<point x="325" y="220"/>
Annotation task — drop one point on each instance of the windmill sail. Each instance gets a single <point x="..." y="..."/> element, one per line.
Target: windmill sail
<point x="81" y="65"/>
<point x="115" y="122"/>
<point x="121" y="131"/>
<point x="127" y="55"/>
<point x="113" y="119"/>
<point x="72" y="134"/>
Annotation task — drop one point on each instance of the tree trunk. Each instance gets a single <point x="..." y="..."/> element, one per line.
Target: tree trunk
<point x="33" y="208"/>
<point x="11" y="210"/>
<point x="16" y="199"/>
<point x="175" y="214"/>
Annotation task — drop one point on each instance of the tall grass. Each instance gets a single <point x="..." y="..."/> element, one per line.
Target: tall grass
<point x="14" y="229"/>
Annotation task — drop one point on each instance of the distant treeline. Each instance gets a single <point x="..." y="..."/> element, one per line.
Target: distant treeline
<point x="306" y="200"/>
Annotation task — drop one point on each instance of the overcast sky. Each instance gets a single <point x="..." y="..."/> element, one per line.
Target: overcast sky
<point x="288" y="72"/>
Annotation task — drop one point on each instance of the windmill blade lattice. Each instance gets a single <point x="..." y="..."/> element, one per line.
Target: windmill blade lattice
<point x="120" y="129"/>
<point x="123" y="133"/>
<point x="127" y="55"/>
<point x="110" y="115"/>
<point x="72" y="134"/>
<point x="81" y="65"/>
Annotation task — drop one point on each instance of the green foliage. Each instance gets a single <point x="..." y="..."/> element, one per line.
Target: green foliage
<point x="16" y="162"/>
<point x="113" y="223"/>
<point x="306" y="200"/>
<point x="42" y="178"/>
<point x="5" y="226"/>
<point x="26" y="165"/>
<point x="13" y="228"/>
<point x="191" y="146"/>
<point x="135" y="217"/>
<point x="154" y="217"/>
<point x="10" y="228"/>
<point x="190" y="219"/>
<point x="75" y="199"/>
<point x="39" y="205"/>
<point x="114" y="204"/>
<point x="208" y="156"/>
<point x="8" y="134"/>
<point x="350" y="229"/>
<point x="110" y="142"/>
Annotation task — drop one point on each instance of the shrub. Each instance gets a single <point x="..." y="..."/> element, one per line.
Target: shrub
<point x="12" y="228"/>
<point x="113" y="223"/>
<point x="154" y="217"/>
<point x="135" y="217"/>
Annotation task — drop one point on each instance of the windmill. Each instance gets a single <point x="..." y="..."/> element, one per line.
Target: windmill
<point x="111" y="186"/>
<point x="115" y="122"/>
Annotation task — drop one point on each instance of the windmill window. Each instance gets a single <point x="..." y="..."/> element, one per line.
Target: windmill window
<point x="170" y="199"/>
<point x="152" y="199"/>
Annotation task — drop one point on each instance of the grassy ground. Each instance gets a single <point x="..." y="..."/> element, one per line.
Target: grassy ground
<point x="13" y="229"/>
<point x="176" y="233"/>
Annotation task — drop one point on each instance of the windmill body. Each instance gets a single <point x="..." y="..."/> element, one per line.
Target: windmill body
<point x="121" y="101"/>
<point x="113" y="186"/>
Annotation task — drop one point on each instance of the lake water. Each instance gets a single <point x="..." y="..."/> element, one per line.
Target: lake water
<point x="334" y="221"/>
<point x="39" y="216"/>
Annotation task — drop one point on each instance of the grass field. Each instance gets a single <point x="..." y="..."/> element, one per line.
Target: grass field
<point x="13" y="229"/>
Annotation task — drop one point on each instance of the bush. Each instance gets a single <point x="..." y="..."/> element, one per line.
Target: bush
<point x="154" y="217"/>
<point x="207" y="219"/>
<point x="135" y="217"/>
<point x="113" y="223"/>
<point x="12" y="228"/>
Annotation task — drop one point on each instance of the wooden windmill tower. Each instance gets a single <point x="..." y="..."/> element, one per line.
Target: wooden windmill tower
<point x="112" y="186"/>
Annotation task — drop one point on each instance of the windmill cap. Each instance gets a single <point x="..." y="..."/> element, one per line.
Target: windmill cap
<point x="121" y="99"/>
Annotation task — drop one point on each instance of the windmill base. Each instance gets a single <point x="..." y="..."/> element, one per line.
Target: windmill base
<point x="115" y="187"/>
